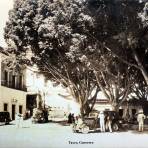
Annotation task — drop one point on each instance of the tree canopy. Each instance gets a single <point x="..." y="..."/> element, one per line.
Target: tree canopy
<point x="86" y="45"/>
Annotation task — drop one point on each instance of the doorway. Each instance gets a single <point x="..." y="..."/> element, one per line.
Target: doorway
<point x="31" y="103"/>
<point x="121" y="113"/>
<point x="13" y="112"/>
<point x="20" y="109"/>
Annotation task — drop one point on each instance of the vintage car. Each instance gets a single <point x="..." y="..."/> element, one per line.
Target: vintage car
<point x="91" y="123"/>
<point x="4" y="117"/>
<point x="80" y="126"/>
<point x="40" y="116"/>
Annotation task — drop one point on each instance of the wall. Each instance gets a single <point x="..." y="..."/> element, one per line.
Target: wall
<point x="128" y="110"/>
<point x="12" y="96"/>
<point x="34" y="81"/>
<point x="9" y="76"/>
<point x="102" y="107"/>
<point x="0" y="67"/>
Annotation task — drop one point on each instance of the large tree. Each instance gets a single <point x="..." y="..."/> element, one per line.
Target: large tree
<point x="121" y="28"/>
<point x="85" y="45"/>
<point x="54" y="31"/>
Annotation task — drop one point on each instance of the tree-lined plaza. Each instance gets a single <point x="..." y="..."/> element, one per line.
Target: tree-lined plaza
<point x="56" y="136"/>
<point x="86" y="45"/>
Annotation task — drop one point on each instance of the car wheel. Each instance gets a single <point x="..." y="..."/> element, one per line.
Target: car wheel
<point x="115" y="127"/>
<point x="6" y="123"/>
<point x="85" y="129"/>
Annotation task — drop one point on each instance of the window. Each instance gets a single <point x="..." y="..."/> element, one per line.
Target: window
<point x="20" y="109"/>
<point x="10" y="78"/>
<point x="5" y="107"/>
<point x="13" y="81"/>
<point x="6" y="77"/>
<point x="13" y="111"/>
<point x="20" y="81"/>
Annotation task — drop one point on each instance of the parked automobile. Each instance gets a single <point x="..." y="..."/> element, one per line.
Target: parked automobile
<point x="80" y="126"/>
<point x="5" y="117"/>
<point x="40" y="116"/>
<point x="116" y="120"/>
<point x="91" y="123"/>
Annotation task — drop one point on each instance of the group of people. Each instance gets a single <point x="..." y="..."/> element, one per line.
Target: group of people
<point x="71" y="118"/>
<point x="105" y="122"/>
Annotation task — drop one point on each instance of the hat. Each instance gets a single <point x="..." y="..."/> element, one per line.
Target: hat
<point x="140" y="111"/>
<point x="101" y="112"/>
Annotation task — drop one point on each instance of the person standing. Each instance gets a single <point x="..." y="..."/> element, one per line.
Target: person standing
<point x="102" y="121"/>
<point x="70" y="118"/>
<point x="65" y="116"/>
<point x="140" y="119"/>
<point x="73" y="118"/>
<point x="21" y="120"/>
<point x="17" y="119"/>
<point x="108" y="122"/>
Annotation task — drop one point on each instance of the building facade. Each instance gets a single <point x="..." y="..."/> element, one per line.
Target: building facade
<point x="22" y="89"/>
<point x="12" y="89"/>
<point x="102" y="105"/>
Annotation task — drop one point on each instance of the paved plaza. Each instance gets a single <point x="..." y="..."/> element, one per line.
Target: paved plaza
<point x="54" y="135"/>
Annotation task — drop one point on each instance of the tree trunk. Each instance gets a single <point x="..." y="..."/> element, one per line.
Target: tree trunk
<point x="100" y="86"/>
<point x="87" y="109"/>
<point x="82" y="111"/>
<point x="142" y="68"/>
<point x="115" y="107"/>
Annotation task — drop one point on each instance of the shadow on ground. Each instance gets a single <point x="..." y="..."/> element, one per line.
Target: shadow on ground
<point x="63" y="123"/>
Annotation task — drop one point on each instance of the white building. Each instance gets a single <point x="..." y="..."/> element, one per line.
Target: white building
<point x="19" y="89"/>
<point x="12" y="89"/>
<point x="61" y="101"/>
<point x="102" y="103"/>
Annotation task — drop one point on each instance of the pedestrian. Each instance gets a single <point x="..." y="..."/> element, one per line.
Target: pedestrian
<point x="26" y="115"/>
<point x="45" y="114"/>
<point x="65" y="117"/>
<point x="73" y="118"/>
<point x="140" y="119"/>
<point x="17" y="119"/>
<point x="108" y="122"/>
<point x="70" y="118"/>
<point x="21" y="120"/>
<point x="102" y="121"/>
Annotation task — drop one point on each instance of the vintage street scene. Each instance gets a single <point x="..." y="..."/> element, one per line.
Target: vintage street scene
<point x="74" y="73"/>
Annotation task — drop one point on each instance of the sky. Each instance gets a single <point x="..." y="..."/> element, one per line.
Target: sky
<point x="5" y="6"/>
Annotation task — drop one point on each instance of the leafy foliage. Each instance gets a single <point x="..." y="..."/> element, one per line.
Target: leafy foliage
<point x="85" y="45"/>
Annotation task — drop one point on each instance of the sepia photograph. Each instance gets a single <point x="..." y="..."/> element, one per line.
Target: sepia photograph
<point x="73" y="73"/>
